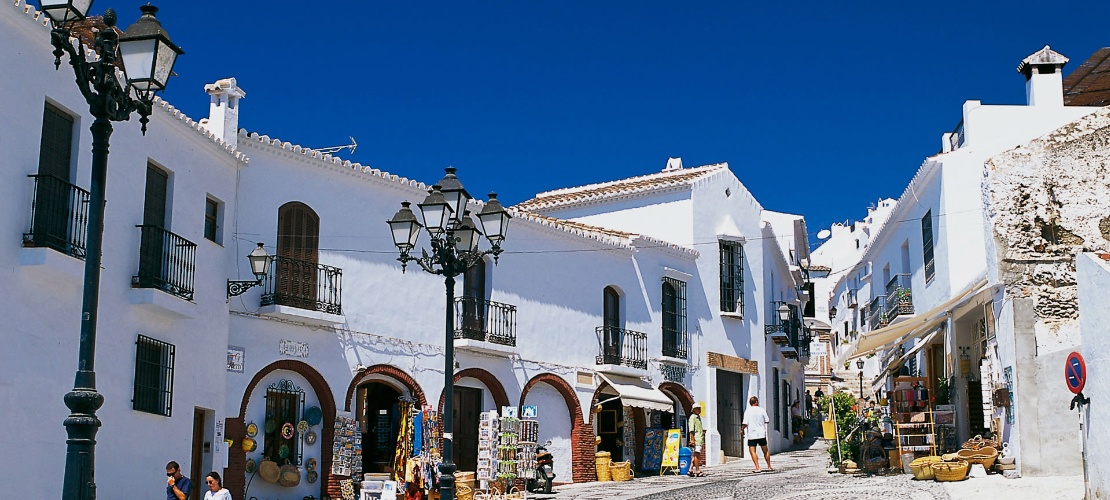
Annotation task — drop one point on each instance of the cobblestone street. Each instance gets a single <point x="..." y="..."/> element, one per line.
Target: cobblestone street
<point x="802" y="474"/>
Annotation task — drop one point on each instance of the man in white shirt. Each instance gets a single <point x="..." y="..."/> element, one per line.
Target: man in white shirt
<point x="755" y="428"/>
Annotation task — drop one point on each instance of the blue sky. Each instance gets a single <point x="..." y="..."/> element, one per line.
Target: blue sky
<point x="819" y="108"/>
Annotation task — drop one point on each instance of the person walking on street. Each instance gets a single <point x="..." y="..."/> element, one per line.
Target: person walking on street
<point x="755" y="428"/>
<point x="216" y="490"/>
<point x="177" y="485"/>
<point x="696" y="439"/>
<point x="809" y="404"/>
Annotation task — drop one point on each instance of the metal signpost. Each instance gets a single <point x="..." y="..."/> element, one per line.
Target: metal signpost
<point x="1075" y="376"/>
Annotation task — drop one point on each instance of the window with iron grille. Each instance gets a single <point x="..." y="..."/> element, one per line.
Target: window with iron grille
<point x="284" y="410"/>
<point x="674" y="318"/>
<point x="154" y="362"/>
<point x="732" y="276"/>
<point x="927" y="245"/>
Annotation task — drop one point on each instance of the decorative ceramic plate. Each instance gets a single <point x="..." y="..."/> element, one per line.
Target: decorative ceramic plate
<point x="283" y="451"/>
<point x="271" y="425"/>
<point x="250" y="466"/>
<point x="313" y="415"/>
<point x="310" y="464"/>
<point x="312" y="478"/>
<point x="249" y="445"/>
<point x="302" y="426"/>
<point x="287" y="430"/>
<point x="252" y="429"/>
<point x="310" y="438"/>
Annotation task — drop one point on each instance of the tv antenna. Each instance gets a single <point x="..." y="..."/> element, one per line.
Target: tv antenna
<point x="335" y="149"/>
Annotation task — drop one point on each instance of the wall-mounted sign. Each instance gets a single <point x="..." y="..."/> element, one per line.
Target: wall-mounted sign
<point x="732" y="363"/>
<point x="293" y="348"/>
<point x="235" y="355"/>
<point x="817" y="348"/>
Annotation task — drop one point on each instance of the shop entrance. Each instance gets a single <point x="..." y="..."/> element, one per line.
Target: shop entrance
<point x="467" y="405"/>
<point x="379" y="416"/>
<point x="610" y="426"/>
<point x="196" y="467"/>
<point x="730" y="412"/>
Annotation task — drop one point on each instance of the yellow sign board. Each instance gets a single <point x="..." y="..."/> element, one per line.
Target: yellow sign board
<point x="670" y="448"/>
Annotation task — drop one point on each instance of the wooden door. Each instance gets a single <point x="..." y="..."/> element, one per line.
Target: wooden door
<point x="730" y="412"/>
<point x="52" y="197"/>
<point x="298" y="248"/>
<point x="612" y="338"/>
<point x="467" y="405"/>
<point x="151" y="244"/>
<point x="196" y="474"/>
<point x="474" y="304"/>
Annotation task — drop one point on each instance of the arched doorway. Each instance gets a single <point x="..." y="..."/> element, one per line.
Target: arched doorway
<point x="375" y="398"/>
<point x="571" y="447"/>
<point x="476" y="390"/>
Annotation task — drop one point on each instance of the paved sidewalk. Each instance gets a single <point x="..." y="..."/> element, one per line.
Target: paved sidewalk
<point x="996" y="487"/>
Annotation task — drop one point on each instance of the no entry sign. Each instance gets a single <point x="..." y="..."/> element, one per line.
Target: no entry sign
<point x="1075" y="372"/>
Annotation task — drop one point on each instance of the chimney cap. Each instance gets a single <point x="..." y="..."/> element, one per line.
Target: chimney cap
<point x="673" y="164"/>
<point x="1043" y="57"/>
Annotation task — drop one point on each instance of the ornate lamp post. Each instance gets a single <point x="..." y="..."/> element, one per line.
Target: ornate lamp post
<point x="454" y="250"/>
<point x="859" y="364"/>
<point x="144" y="56"/>
<point x="260" y="261"/>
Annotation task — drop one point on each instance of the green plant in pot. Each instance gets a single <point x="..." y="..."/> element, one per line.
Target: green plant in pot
<point x="842" y="403"/>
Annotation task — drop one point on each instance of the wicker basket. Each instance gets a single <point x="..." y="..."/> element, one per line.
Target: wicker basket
<point x="621" y="471"/>
<point x="269" y="471"/>
<point x="602" y="461"/>
<point x="986" y="456"/>
<point x="922" y="468"/>
<point x="951" y="471"/>
<point x="464" y="492"/>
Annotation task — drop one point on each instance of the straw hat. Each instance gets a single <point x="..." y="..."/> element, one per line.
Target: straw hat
<point x="697" y="406"/>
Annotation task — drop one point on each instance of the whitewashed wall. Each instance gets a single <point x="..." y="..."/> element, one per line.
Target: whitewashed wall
<point x="1093" y="281"/>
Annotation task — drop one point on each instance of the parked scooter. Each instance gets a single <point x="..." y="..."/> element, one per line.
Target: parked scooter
<point x="545" y="471"/>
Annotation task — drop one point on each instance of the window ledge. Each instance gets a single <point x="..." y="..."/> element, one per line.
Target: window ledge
<point x="53" y="266"/>
<point x="162" y="303"/>
<point x="302" y="315"/>
<point x="672" y="360"/>
<point x="622" y="370"/>
<point x="733" y="315"/>
<point x="485" y="347"/>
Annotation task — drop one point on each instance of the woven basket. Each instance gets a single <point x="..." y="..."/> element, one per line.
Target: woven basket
<point x="602" y="460"/>
<point x="621" y="471"/>
<point x="951" y="471"/>
<point x="269" y="471"/>
<point x="464" y="492"/>
<point x="922" y="468"/>
<point x="986" y="456"/>
<point x="290" y="476"/>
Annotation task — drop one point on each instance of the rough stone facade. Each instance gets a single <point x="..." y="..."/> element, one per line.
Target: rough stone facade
<point x="1048" y="200"/>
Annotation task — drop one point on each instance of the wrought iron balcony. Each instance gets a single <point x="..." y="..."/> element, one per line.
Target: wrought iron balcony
<point x="59" y="216"/>
<point x="776" y="329"/>
<point x="303" y="284"/>
<point x="853" y="300"/>
<point x="485" y="320"/>
<point x="617" y="346"/>
<point x="876" y="313"/>
<point x="166" y="262"/>
<point x="899" y="297"/>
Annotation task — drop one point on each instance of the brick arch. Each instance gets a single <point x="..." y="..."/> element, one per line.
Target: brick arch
<point x="684" y="397"/>
<point x="390" y="371"/>
<point x="583" y="468"/>
<point x="500" y="397"/>
<point x="236" y="427"/>
<point x="639" y="425"/>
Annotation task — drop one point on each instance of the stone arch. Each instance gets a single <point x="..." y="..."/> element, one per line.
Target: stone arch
<point x="583" y="467"/>
<point x="500" y="397"/>
<point x="236" y="427"/>
<point x="678" y="391"/>
<point x="389" y="371"/>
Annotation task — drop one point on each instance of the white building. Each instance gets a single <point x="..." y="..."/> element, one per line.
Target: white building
<point x="610" y="322"/>
<point x="971" y="279"/>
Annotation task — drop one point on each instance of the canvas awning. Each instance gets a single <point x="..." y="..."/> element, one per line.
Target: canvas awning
<point x="914" y="350"/>
<point x="921" y="324"/>
<point x="637" y="393"/>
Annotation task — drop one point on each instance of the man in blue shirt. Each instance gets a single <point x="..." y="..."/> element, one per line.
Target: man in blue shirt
<point x="177" y="485"/>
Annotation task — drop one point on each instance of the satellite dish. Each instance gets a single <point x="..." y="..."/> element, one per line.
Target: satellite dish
<point x="823" y="234"/>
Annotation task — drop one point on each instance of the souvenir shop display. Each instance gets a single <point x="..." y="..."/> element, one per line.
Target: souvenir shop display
<point x="416" y="462"/>
<point x="911" y="413"/>
<point x="347" y="447"/>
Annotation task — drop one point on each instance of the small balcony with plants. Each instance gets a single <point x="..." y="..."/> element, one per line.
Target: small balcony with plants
<point x="621" y="351"/>
<point x="485" y="326"/>
<point x="876" y="313"/>
<point x="899" y="297"/>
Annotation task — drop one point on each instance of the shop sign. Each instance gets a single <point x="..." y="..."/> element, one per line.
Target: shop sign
<point x="235" y="355"/>
<point x="293" y="348"/>
<point x="732" y="363"/>
<point x="670" y="448"/>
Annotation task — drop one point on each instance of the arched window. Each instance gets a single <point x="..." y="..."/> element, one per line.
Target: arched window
<point x="298" y="246"/>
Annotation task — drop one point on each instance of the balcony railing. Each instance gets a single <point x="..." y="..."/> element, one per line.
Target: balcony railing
<point x="775" y="328"/>
<point x="876" y="313"/>
<point x="485" y="320"/>
<point x="59" y="216"/>
<point x="166" y="262"/>
<point x="899" y="298"/>
<point x="617" y="346"/>
<point x="853" y="301"/>
<point x="303" y="284"/>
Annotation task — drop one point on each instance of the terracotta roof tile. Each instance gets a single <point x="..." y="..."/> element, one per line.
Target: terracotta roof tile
<point x="622" y="187"/>
<point x="1089" y="84"/>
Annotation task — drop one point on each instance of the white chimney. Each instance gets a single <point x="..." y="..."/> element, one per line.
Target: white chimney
<point x="223" y="112"/>
<point x="673" y="164"/>
<point x="1044" y="80"/>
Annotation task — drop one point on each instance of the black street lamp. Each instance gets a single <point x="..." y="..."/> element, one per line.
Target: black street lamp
<point x="859" y="364"/>
<point x="260" y="262"/>
<point x="454" y="250"/>
<point x="144" y="57"/>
